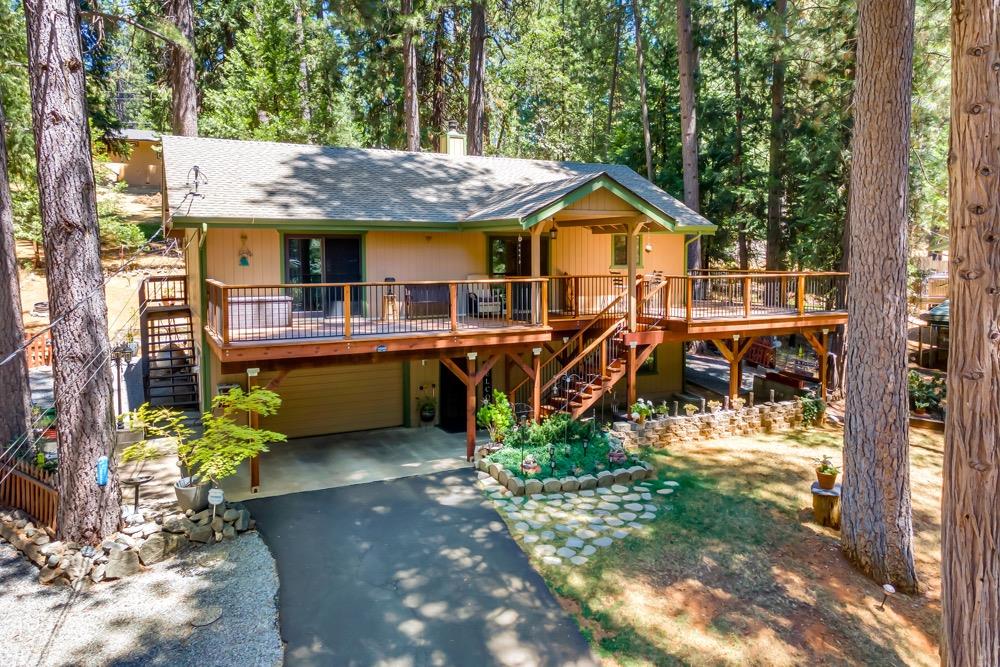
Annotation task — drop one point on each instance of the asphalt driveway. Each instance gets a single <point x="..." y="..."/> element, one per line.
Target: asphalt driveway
<point x="410" y="572"/>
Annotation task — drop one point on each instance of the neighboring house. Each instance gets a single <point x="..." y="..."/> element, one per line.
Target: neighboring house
<point x="356" y="282"/>
<point x="140" y="165"/>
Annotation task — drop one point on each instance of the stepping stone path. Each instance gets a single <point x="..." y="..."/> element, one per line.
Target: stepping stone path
<point x="566" y="529"/>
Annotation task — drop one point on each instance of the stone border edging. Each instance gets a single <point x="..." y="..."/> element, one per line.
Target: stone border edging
<point x="526" y="487"/>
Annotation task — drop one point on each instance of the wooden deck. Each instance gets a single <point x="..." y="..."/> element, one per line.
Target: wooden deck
<point x="246" y="322"/>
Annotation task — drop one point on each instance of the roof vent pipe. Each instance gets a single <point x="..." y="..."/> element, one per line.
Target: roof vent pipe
<point x="452" y="142"/>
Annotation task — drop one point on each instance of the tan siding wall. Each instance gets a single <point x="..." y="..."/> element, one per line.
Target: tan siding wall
<point x="223" y="255"/>
<point x="424" y="256"/>
<point x="667" y="379"/>
<point x="141" y="169"/>
<point x="577" y="251"/>
<point x="602" y="200"/>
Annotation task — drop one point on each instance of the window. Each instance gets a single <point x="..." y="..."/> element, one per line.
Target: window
<point x="619" y="253"/>
<point x="511" y="255"/>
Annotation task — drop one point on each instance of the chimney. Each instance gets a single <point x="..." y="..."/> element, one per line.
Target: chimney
<point x="452" y="142"/>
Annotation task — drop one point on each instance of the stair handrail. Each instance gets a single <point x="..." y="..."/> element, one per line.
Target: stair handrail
<point x="580" y="332"/>
<point x="584" y="352"/>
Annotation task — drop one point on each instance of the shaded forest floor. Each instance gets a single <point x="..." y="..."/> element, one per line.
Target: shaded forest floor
<point x="141" y="208"/>
<point x="735" y="572"/>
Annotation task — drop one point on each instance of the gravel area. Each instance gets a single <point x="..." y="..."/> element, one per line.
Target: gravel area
<point x="213" y="605"/>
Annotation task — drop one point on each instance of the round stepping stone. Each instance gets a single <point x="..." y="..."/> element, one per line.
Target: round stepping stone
<point x="588" y="550"/>
<point x="587" y="493"/>
<point x="634" y="507"/>
<point x="602" y="491"/>
<point x="603" y="542"/>
<point x="585" y="534"/>
<point x="569" y="494"/>
<point x="645" y="484"/>
<point x="552" y="560"/>
<point x="647" y="496"/>
<point x="547" y="535"/>
<point x="585" y="507"/>
<point x="521" y="526"/>
<point x="618" y="488"/>
<point x="514" y="515"/>
<point x="631" y="497"/>
<point x="601" y="513"/>
<point x="535" y="524"/>
<point x="620" y="534"/>
<point x="564" y="552"/>
<point x="664" y="492"/>
<point x="531" y="505"/>
<point x="574" y="543"/>
<point x="530" y="539"/>
<point x="563" y="528"/>
<point x="635" y="524"/>
<point x="545" y="550"/>
<point x="614" y="521"/>
<point x="612" y="498"/>
<point x="650" y="508"/>
<point x="596" y="520"/>
<point x="578" y="560"/>
<point x="647" y="516"/>
<point x="627" y="516"/>
<point x="554" y="496"/>
<point x="608" y="507"/>
<point x="672" y="483"/>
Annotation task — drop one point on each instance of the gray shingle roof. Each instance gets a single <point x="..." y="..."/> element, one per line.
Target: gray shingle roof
<point x="274" y="182"/>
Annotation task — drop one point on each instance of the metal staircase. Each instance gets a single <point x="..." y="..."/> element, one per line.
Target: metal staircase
<point x="170" y="370"/>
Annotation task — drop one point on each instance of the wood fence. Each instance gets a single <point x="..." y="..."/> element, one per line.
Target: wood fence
<point x="29" y="488"/>
<point x="39" y="353"/>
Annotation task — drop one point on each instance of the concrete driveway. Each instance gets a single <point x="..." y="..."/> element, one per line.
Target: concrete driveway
<point x="410" y="572"/>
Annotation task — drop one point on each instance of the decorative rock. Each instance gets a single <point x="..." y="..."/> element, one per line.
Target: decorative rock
<point x="97" y="574"/>
<point x="135" y="519"/>
<point x="177" y="524"/>
<point x="230" y="515"/>
<point x="634" y="507"/>
<point x="578" y="560"/>
<point x="532" y="487"/>
<point x="516" y="486"/>
<point x="621" y="475"/>
<point x="664" y="492"/>
<point x="618" y="488"/>
<point x="610" y="507"/>
<point x="201" y="534"/>
<point x="614" y="521"/>
<point x="574" y="543"/>
<point x="53" y="560"/>
<point x="122" y="564"/>
<point x="647" y="516"/>
<point x="530" y="539"/>
<point x="47" y="575"/>
<point x="551" y="560"/>
<point x="612" y="498"/>
<point x="570" y="483"/>
<point x="627" y="516"/>
<point x="545" y="550"/>
<point x="620" y="534"/>
<point x="637" y="473"/>
<point x="503" y="476"/>
<point x="218" y="535"/>
<point x="521" y="526"/>
<point x="204" y="514"/>
<point x="228" y="533"/>
<point x="41" y="539"/>
<point x="649" y="508"/>
<point x="547" y="535"/>
<point x="494" y="469"/>
<point x="588" y="550"/>
<point x="586" y="534"/>
<point x="551" y="485"/>
<point x="564" y="552"/>
<point x="217" y="524"/>
<point x="603" y="542"/>
<point x="631" y="497"/>
<point x="605" y="479"/>
<point x="563" y="528"/>
<point x="587" y="482"/>
<point x="672" y="483"/>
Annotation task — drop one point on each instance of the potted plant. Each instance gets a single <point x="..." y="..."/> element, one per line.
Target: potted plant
<point x="826" y="473"/>
<point x="690" y="409"/>
<point x="496" y="416"/>
<point x="427" y="406"/>
<point x="920" y="406"/>
<point x="738" y="403"/>
<point x="159" y="423"/>
<point x="714" y="406"/>
<point x="641" y="411"/>
<point x="224" y="443"/>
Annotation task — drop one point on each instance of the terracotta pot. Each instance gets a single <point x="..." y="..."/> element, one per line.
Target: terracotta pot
<point x="826" y="481"/>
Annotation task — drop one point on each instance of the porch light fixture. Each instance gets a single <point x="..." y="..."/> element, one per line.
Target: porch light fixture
<point x="537" y="351"/>
<point x="472" y="356"/>
<point x="553" y="233"/>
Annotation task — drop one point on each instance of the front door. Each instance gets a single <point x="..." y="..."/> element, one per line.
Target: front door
<point x="452" y="400"/>
<point x="511" y="256"/>
<point x="342" y="264"/>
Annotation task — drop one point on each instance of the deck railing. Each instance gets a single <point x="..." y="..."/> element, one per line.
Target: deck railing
<point x="583" y="296"/>
<point x="248" y="313"/>
<point x="163" y="291"/>
<point x="27" y="487"/>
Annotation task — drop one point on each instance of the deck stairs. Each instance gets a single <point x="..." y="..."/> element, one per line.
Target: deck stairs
<point x="589" y="364"/>
<point x="170" y="375"/>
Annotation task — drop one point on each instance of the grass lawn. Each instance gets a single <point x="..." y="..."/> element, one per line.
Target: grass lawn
<point x="733" y="571"/>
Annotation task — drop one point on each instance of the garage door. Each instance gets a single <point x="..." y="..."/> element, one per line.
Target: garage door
<point x="337" y="399"/>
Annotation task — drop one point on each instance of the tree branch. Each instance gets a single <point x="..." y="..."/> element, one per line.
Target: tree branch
<point x="118" y="18"/>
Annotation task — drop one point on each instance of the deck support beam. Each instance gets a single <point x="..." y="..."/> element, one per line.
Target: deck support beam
<point x="734" y="353"/>
<point x="254" y="421"/>
<point x="471" y="378"/>
<point x="822" y="348"/>
<point x="631" y="367"/>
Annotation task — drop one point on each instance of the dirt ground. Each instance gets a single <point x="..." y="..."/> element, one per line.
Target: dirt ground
<point x="737" y="573"/>
<point x="121" y="290"/>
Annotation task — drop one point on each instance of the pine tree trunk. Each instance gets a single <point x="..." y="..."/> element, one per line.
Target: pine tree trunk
<point x="877" y="528"/>
<point x="15" y="407"/>
<point x="646" y="140"/>
<point x="87" y="512"/>
<point x="775" y="258"/>
<point x="689" y="123"/>
<point x="300" y="42"/>
<point x="411" y="107"/>
<point x="970" y="562"/>
<point x="438" y="104"/>
<point x="743" y="242"/>
<point x="613" y="87"/>
<point x="477" y="74"/>
<point x="184" y="92"/>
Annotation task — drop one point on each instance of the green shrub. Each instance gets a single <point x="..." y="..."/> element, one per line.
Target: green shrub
<point x="813" y="408"/>
<point x="496" y="416"/>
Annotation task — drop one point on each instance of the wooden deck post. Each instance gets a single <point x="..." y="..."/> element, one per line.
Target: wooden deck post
<point x="819" y="346"/>
<point x="746" y="297"/>
<point x="347" y="311"/>
<point x="254" y="422"/>
<point x="689" y="297"/>
<point x="632" y="390"/>
<point x="470" y="406"/>
<point x="544" y="316"/>
<point x="800" y="294"/>
<point x="536" y="384"/>
<point x="453" y="305"/>
<point x="225" y="315"/>
<point x="630" y="252"/>
<point x="508" y="303"/>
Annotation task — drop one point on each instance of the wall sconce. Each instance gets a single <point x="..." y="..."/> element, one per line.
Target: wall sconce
<point x="245" y="253"/>
<point x="648" y="247"/>
<point x="553" y="233"/>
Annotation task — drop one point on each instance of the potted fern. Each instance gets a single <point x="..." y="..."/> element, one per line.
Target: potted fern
<point x="826" y="473"/>
<point x="159" y="424"/>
